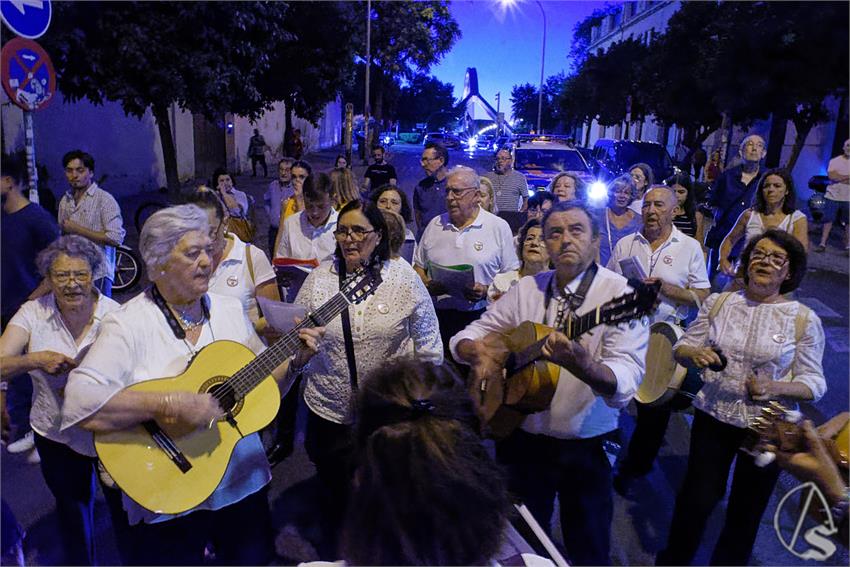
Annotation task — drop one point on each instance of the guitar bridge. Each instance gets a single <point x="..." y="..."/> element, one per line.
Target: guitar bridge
<point x="167" y="445"/>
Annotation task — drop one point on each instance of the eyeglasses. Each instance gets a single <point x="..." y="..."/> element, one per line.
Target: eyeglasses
<point x="776" y="261"/>
<point x="425" y="159"/>
<point x="458" y="192"/>
<point x="503" y="159"/>
<point x="356" y="233"/>
<point x="64" y="277"/>
<point x="758" y="145"/>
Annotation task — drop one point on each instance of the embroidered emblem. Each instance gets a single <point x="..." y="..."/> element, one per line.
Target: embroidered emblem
<point x="479" y="246"/>
<point x="232" y="281"/>
<point x="668" y="260"/>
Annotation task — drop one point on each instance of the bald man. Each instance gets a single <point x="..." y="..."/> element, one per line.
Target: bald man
<point x="667" y="255"/>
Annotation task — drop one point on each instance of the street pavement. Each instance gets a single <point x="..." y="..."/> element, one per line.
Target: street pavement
<point x="640" y="524"/>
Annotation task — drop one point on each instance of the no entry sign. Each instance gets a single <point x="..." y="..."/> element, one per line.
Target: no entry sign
<point x="27" y="73"/>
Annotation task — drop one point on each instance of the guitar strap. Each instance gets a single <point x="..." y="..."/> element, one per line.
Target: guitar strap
<point x="346" y="333"/>
<point x="568" y="302"/>
<point x="175" y="326"/>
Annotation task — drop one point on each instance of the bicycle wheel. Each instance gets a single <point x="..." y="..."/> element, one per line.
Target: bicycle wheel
<point x="128" y="269"/>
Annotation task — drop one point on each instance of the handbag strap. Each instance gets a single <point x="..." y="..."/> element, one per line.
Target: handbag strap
<point x="346" y="333"/>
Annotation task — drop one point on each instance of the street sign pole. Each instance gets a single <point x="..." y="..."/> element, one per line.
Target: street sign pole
<point x="32" y="170"/>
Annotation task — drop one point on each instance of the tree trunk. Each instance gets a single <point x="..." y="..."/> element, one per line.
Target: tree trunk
<point x="287" y="130"/>
<point x="587" y="133"/>
<point x="169" y="152"/>
<point x="803" y="128"/>
<point x="378" y="93"/>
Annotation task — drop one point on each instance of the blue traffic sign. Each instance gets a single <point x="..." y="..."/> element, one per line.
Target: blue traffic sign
<point x="27" y="18"/>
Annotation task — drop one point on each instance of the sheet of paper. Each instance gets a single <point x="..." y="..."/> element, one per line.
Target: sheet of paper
<point x="281" y="315"/>
<point x="455" y="278"/>
<point x="632" y="268"/>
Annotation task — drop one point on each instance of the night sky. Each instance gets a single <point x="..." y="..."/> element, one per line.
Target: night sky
<point x="505" y="45"/>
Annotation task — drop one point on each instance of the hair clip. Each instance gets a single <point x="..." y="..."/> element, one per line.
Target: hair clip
<point x="422" y="406"/>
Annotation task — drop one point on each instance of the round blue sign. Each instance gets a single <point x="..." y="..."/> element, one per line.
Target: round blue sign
<point x="27" y="18"/>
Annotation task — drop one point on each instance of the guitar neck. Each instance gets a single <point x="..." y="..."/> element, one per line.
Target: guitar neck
<point x="256" y="371"/>
<point x="577" y="325"/>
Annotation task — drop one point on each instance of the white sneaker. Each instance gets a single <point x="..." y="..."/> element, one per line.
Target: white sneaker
<point x="34" y="458"/>
<point x="23" y="444"/>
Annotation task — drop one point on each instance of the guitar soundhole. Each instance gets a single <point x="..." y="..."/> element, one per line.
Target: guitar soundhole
<point x="224" y="393"/>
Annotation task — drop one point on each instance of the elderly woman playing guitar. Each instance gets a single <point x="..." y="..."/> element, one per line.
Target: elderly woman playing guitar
<point x="756" y="346"/>
<point x="157" y="334"/>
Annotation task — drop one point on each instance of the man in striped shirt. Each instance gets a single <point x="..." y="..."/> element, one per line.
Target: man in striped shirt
<point x="89" y="211"/>
<point x="510" y="189"/>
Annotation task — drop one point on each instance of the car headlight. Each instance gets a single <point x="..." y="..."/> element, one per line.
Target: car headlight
<point x="597" y="191"/>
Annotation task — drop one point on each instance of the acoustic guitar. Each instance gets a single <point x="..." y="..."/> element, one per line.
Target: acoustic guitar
<point x="529" y="381"/>
<point x="169" y="470"/>
<point x="777" y="425"/>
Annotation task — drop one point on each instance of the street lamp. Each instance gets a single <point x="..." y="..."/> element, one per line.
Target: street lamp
<point x="507" y="4"/>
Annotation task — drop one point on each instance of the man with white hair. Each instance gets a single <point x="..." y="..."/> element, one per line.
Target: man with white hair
<point x="667" y="254"/>
<point x="734" y="189"/>
<point x="464" y="235"/>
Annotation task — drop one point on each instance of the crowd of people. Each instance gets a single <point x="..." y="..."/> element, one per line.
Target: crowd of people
<point x="394" y="387"/>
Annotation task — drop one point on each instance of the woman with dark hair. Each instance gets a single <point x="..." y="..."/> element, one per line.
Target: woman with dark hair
<point x="391" y="198"/>
<point x="340" y="162"/>
<point x="643" y="178"/>
<point x="774" y="206"/>
<point x="686" y="216"/>
<point x="237" y="203"/>
<point x="426" y="491"/>
<point x="532" y="255"/>
<point x="397" y="320"/>
<point x="619" y="219"/>
<point x="772" y="349"/>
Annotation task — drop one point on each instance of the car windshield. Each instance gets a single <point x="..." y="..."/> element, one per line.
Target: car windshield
<point x="650" y="154"/>
<point x="556" y="160"/>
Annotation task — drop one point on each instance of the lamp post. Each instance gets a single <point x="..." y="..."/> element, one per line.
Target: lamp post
<point x="542" y="62"/>
<point x="367" y="110"/>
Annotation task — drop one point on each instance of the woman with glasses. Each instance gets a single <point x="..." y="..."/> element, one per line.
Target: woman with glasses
<point x="619" y="219"/>
<point x="46" y="338"/>
<point x="642" y="178"/>
<point x="754" y="346"/>
<point x="397" y="320"/>
<point x="240" y="270"/>
<point x="774" y="206"/>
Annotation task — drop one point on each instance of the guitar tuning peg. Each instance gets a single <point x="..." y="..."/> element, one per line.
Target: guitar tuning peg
<point x="632" y="324"/>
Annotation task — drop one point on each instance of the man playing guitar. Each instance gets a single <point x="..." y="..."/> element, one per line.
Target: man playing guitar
<point x="559" y="451"/>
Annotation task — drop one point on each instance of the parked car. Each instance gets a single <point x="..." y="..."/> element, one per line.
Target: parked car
<point x="540" y="161"/>
<point x="445" y="138"/>
<point x="612" y="158"/>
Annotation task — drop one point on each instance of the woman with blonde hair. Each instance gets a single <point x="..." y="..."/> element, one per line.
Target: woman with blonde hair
<point x="345" y="186"/>
<point x="488" y="201"/>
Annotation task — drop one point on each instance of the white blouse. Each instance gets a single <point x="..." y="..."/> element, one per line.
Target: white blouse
<point x="233" y="278"/>
<point x="755" y="338"/>
<point x="397" y="320"/>
<point x="43" y="323"/>
<point x="136" y="344"/>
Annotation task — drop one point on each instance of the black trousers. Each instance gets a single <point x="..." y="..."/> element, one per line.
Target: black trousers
<point x="714" y="445"/>
<point x="452" y="322"/>
<point x="646" y="440"/>
<point x="241" y="534"/>
<point x="262" y="161"/>
<point x="577" y="471"/>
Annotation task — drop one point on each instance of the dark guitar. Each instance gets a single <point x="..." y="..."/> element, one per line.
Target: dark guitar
<point x="529" y="381"/>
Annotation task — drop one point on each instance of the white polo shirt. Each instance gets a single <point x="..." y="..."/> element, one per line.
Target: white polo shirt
<point x="677" y="261"/>
<point x="302" y="240"/>
<point x="487" y="244"/>
<point x="233" y="278"/>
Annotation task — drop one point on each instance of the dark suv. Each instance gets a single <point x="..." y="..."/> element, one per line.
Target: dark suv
<point x="612" y="158"/>
<point x="447" y="140"/>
